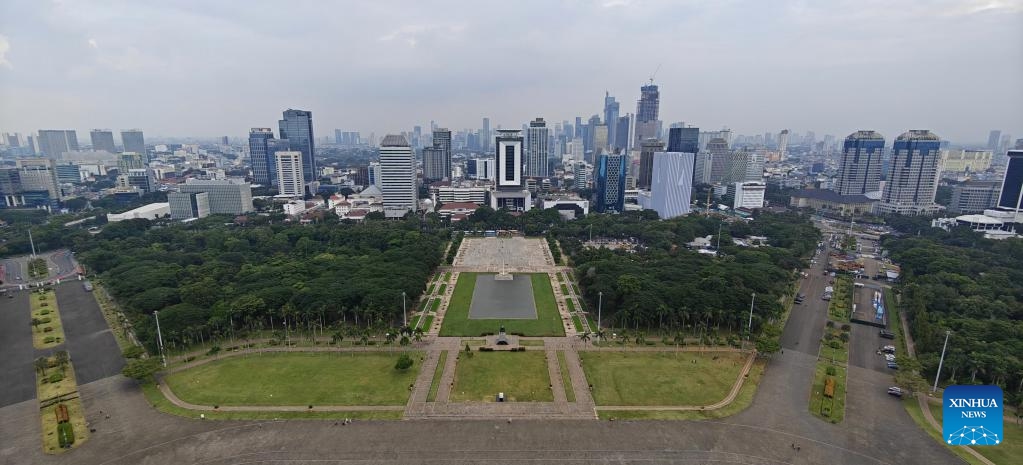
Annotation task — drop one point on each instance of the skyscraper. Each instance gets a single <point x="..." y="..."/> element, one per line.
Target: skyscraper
<point x="610" y="179"/>
<point x="647" y="109"/>
<point x="485" y="136"/>
<point x="646" y="161"/>
<point x="912" y="175"/>
<point x="621" y="131"/>
<point x="103" y="139"/>
<point x="397" y="176"/>
<point x="509" y="192"/>
<point x="54" y="142"/>
<point x="611" y="108"/>
<point x="1010" y="198"/>
<point x="600" y="144"/>
<point x="339" y="137"/>
<point x="297" y="128"/>
<point x="537" y="149"/>
<point x="718" y="149"/>
<point x="133" y="141"/>
<point x="433" y="164"/>
<point x="994" y="138"/>
<point x="289" y="173"/>
<point x="783" y="143"/>
<point x="859" y="170"/>
<point x="442" y="141"/>
<point x="672" y="183"/>
<point x="262" y="147"/>
<point x="684" y="140"/>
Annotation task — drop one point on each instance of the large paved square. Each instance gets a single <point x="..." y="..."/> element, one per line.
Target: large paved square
<point x="514" y="254"/>
<point x="502" y="299"/>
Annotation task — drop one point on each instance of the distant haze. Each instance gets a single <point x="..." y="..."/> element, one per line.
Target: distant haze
<point x="199" y="68"/>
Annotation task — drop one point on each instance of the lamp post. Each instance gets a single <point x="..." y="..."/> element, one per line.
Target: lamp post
<point x="600" y="307"/>
<point x="749" y="326"/>
<point x="404" y="318"/>
<point x="941" y="361"/>
<point x="159" y="338"/>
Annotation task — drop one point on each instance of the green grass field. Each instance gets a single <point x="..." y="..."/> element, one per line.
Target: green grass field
<point x="435" y="383"/>
<point x="830" y="409"/>
<point x="457" y="322"/>
<point x="566" y="377"/>
<point x="1011" y="446"/>
<point x="297" y="379"/>
<point x="660" y="378"/>
<point x="521" y="376"/>
<point x="160" y="403"/>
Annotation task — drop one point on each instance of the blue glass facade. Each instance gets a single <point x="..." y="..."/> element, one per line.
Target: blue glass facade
<point x="297" y="128"/>
<point x="611" y="183"/>
<point x="684" y="140"/>
<point x="1012" y="185"/>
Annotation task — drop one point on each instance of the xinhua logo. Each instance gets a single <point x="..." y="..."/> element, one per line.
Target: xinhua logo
<point x="972" y="415"/>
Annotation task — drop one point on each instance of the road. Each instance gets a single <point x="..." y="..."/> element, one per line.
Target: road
<point x="18" y="381"/>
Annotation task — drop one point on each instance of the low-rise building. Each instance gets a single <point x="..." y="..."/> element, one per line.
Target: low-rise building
<point x="824" y="200"/>
<point x="150" y="212"/>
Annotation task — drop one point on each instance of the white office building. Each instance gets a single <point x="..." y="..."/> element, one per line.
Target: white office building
<point x="537" y="151"/>
<point x="671" y="183"/>
<point x="749" y="194"/>
<point x="289" y="173"/>
<point x="397" y="176"/>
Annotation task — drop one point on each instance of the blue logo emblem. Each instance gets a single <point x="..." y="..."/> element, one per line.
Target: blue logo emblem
<point x="972" y="415"/>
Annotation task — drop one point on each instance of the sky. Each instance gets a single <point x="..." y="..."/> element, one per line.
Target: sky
<point x="212" y="68"/>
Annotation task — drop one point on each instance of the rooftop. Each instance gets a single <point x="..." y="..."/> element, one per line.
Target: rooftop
<point x="830" y="196"/>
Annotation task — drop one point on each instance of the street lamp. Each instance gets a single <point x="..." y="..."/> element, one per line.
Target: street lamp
<point x="941" y="361"/>
<point x="159" y="338"/>
<point x="600" y="306"/>
<point x="404" y="318"/>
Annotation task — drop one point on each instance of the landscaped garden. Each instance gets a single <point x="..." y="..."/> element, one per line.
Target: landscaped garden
<point x="547" y="323"/>
<point x="60" y="408"/>
<point x="356" y="378"/>
<point x="47" y="330"/>
<point x="827" y="398"/>
<point x="661" y="378"/>
<point x="521" y="376"/>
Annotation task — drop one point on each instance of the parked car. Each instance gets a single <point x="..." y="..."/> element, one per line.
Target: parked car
<point x="893" y="365"/>
<point x="887" y="334"/>
<point x="895" y="391"/>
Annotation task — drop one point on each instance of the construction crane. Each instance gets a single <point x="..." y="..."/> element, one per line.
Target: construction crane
<point x="655" y="73"/>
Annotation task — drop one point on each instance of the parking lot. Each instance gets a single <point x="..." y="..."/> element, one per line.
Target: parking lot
<point x="93" y="348"/>
<point x="18" y="381"/>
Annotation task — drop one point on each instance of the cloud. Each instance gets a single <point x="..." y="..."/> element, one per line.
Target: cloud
<point x="5" y="46"/>
<point x="93" y="44"/>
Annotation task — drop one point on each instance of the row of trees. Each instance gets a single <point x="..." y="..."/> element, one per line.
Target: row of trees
<point x="958" y="281"/>
<point x="664" y="286"/>
<point x="208" y="279"/>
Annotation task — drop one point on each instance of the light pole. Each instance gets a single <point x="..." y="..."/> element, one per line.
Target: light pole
<point x="600" y="306"/>
<point x="941" y="361"/>
<point x="159" y="338"/>
<point x="404" y="318"/>
<point x="749" y="326"/>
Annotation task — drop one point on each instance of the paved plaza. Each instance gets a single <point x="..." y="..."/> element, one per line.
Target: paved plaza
<point x="502" y="299"/>
<point x="514" y="254"/>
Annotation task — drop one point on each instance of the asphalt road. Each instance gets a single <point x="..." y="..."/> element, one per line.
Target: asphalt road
<point x="92" y="346"/>
<point x="17" y="382"/>
<point x="806" y="322"/>
<point x="14" y="272"/>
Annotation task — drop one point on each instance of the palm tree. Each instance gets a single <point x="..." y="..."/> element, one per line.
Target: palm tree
<point x="62" y="359"/>
<point x="640" y="339"/>
<point x="418" y="335"/>
<point x="36" y="322"/>
<point x="336" y="338"/>
<point x="391" y="337"/>
<point x="365" y="339"/>
<point x="404" y="341"/>
<point x="585" y="337"/>
<point x="679" y="339"/>
<point x="41" y="364"/>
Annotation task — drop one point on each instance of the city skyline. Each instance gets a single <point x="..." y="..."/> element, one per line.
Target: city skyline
<point x="790" y="65"/>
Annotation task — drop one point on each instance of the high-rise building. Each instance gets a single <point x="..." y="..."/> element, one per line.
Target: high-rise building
<point x="262" y="147"/>
<point x="600" y="143"/>
<point x="433" y="164"/>
<point x="510" y="192"/>
<point x="289" y="173"/>
<point x="646" y="161"/>
<point x="133" y="141"/>
<point x="701" y="168"/>
<point x="397" y="176"/>
<point x="39" y="174"/>
<point x="783" y="143"/>
<point x="684" y="140"/>
<point x="68" y="173"/>
<point x="576" y="149"/>
<point x="485" y="135"/>
<point x="621" y="142"/>
<point x="103" y="139"/>
<point x="339" y="137"/>
<point x="719" y="162"/>
<point x="994" y="138"/>
<point x="965" y="161"/>
<point x="581" y="175"/>
<point x="973" y="197"/>
<point x="373" y="173"/>
<point x="859" y="170"/>
<point x="480" y="168"/>
<point x="647" y="108"/>
<point x="297" y="128"/>
<point x="537" y="149"/>
<point x="1010" y="197"/>
<point x="672" y="183"/>
<point x="225" y="197"/>
<point x="54" y="142"/>
<point x="130" y="161"/>
<point x="748" y="194"/>
<point x="611" y="109"/>
<point x="913" y="174"/>
<point x="184" y="205"/>
<point x="610" y="178"/>
<point x="142" y="179"/>
<point x="442" y="141"/>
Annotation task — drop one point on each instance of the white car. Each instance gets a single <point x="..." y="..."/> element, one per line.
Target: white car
<point x="889" y="357"/>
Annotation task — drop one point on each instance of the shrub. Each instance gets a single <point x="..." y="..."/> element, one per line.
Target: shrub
<point x="189" y="358"/>
<point x="47" y="329"/>
<point x="830" y="371"/>
<point x="45" y="320"/>
<point x="844" y="337"/>
<point x="65" y="435"/>
<point x="44" y="312"/>
<point x="846" y="327"/>
<point x="830" y="324"/>
<point x="134" y="352"/>
<point x="835" y="345"/>
<point x="404" y="363"/>
<point x="55" y="377"/>
<point x="213" y="350"/>
<point x="486" y="349"/>
<point x="48" y="339"/>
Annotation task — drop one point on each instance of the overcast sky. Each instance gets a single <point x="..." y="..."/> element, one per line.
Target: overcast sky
<point x="210" y="68"/>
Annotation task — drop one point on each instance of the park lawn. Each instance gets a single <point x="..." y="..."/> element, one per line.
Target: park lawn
<point x="578" y="323"/>
<point x="429" y="290"/>
<point x="558" y="275"/>
<point x="742" y="401"/>
<point x="443" y="287"/>
<point x="428" y="323"/>
<point x="447" y="276"/>
<point x="44" y="306"/>
<point x="571" y="306"/>
<point x="547" y="323"/>
<point x="435" y="383"/>
<point x="661" y="378"/>
<point x="564" y="289"/>
<point x="840" y="306"/>
<point x="521" y="376"/>
<point x="820" y="405"/>
<point x="566" y="377"/>
<point x="357" y="378"/>
<point x="434" y="305"/>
